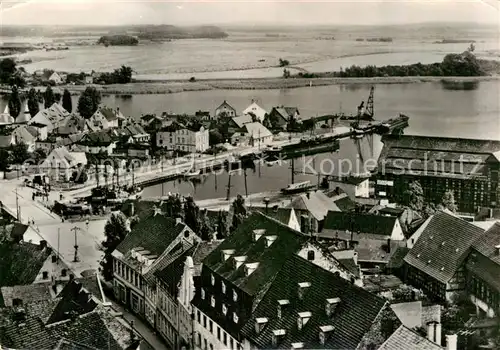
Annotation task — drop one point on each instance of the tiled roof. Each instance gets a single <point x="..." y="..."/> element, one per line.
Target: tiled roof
<point x="396" y="260"/>
<point x="443" y="246"/>
<point x="409" y="313"/>
<point x="343" y="202"/>
<point x="292" y="110"/>
<point x="350" y="265"/>
<point x="172" y="274"/>
<point x="486" y="244"/>
<point x="154" y="233"/>
<point x="351" y="318"/>
<point x="315" y="202"/>
<point x="280" y="214"/>
<point x="375" y="250"/>
<point x="242" y="120"/>
<point x="358" y="222"/>
<point x="203" y="249"/>
<point x="110" y="114"/>
<point x="20" y="263"/>
<point x="225" y="104"/>
<point x="257" y="130"/>
<point x="398" y="151"/>
<point x="51" y="117"/>
<point x="484" y="268"/>
<point x="97" y="138"/>
<point x="27" y="293"/>
<point x="405" y="338"/>
<point x="287" y="243"/>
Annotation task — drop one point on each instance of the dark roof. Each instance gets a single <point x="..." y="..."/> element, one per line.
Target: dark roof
<point x="20" y="263"/>
<point x="203" y="249"/>
<point x="443" y="245"/>
<point x="396" y="260"/>
<point x="487" y="242"/>
<point x="358" y="222"/>
<point x="280" y="214"/>
<point x="399" y="151"/>
<point x="97" y="138"/>
<point x="109" y="113"/>
<point x="484" y="262"/>
<point x="352" y="318"/>
<point x="405" y="338"/>
<point x="344" y="203"/>
<point x="165" y="261"/>
<point x="172" y="274"/>
<point x="270" y="259"/>
<point x="154" y="233"/>
<point x="27" y="293"/>
<point x="225" y="104"/>
<point x="350" y="265"/>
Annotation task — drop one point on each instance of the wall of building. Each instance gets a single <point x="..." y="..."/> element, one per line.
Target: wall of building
<point x="207" y="334"/>
<point x="168" y="316"/>
<point x="383" y="326"/>
<point x="130" y="280"/>
<point x="183" y="140"/>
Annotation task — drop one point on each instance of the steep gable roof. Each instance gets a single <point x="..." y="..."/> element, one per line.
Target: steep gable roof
<point x="154" y="233"/>
<point x="242" y="120"/>
<point x="316" y="202"/>
<point x="358" y="222"/>
<point x="257" y="130"/>
<point x="20" y="263"/>
<point x="51" y="117"/>
<point x="405" y="338"/>
<point x="486" y="243"/>
<point x="255" y="109"/>
<point x="443" y="245"/>
<point x="226" y="105"/>
<point x="351" y="318"/>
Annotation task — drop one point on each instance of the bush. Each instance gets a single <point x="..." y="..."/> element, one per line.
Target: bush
<point x="192" y="79"/>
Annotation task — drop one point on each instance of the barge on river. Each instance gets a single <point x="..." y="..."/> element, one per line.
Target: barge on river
<point x="298" y="187"/>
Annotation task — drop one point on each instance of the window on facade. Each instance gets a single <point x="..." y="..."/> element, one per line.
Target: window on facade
<point x="204" y="321"/>
<point x="212" y="301"/>
<point x="211" y="326"/>
<point x="218" y="333"/>
<point x="224" y="309"/>
<point x="212" y="278"/>
<point x="202" y="293"/>
<point x="211" y="346"/>
<point x="225" y="338"/>
<point x="223" y="285"/>
<point x="310" y="255"/>
<point x="235" y="317"/>
<point x="198" y="316"/>
<point x="231" y="343"/>
<point x="199" y="339"/>
<point x="135" y="302"/>
<point x="205" y="343"/>
<point x="235" y="295"/>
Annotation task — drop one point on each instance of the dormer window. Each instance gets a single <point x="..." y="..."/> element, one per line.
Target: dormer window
<point x="282" y="304"/>
<point x="260" y="323"/>
<point x="239" y="260"/>
<point x="330" y="306"/>
<point x="251" y="267"/>
<point x="324" y="332"/>
<point x="212" y="278"/>
<point x="278" y="335"/>
<point x="224" y="309"/>
<point x="223" y="287"/>
<point x="202" y="294"/>
<point x="212" y="301"/>
<point x="297" y="345"/>
<point x="270" y="240"/>
<point x="256" y="234"/>
<point x="235" y="317"/>
<point x="235" y="296"/>
<point x="302" y="288"/>
<point x="303" y="318"/>
<point x="226" y="254"/>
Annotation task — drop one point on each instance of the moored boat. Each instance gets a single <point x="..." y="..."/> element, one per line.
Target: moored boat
<point x="297" y="187"/>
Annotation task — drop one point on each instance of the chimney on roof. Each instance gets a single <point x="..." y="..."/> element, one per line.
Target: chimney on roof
<point x="431" y="335"/>
<point x="278" y="335"/>
<point x="43" y="244"/>
<point x="497" y="249"/>
<point x="451" y="342"/>
<point x="331" y="305"/>
<point x="302" y="319"/>
<point x="302" y="289"/>
<point x="260" y="323"/>
<point x="324" y="333"/>
<point x="19" y="315"/>
<point x="282" y="305"/>
<point x="270" y="240"/>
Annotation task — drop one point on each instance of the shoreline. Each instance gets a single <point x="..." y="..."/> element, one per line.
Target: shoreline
<point x="153" y="87"/>
<point x="176" y="86"/>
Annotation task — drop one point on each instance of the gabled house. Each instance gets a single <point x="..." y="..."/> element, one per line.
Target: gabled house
<point x="405" y="338"/>
<point x="353" y="186"/>
<point x="146" y="249"/>
<point x="61" y="163"/>
<point x="74" y="124"/>
<point x="436" y="262"/>
<point x="307" y="307"/>
<point x="50" y="118"/>
<point x="25" y="134"/>
<point x="374" y="237"/>
<point x="483" y="273"/>
<point x="106" y="118"/>
<point x="311" y="209"/>
<point x="56" y="78"/>
<point x="103" y="141"/>
<point x="257" y="111"/>
<point x="186" y="138"/>
<point x="226" y="110"/>
<point x="280" y="117"/>
<point x="236" y="274"/>
<point x="286" y="216"/>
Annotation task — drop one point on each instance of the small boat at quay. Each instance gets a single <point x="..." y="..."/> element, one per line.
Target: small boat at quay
<point x="297" y="187"/>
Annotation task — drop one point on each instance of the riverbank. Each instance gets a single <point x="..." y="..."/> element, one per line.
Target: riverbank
<point x="176" y="86"/>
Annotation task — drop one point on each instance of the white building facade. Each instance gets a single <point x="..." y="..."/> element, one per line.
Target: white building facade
<point x="185" y="140"/>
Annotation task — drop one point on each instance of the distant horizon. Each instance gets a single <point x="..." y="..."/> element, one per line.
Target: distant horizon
<point x="289" y="13"/>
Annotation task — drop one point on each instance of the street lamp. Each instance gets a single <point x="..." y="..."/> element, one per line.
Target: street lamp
<point x="75" y="230"/>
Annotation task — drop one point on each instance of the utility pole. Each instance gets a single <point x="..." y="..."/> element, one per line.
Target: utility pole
<point x="75" y="230"/>
<point x="133" y="171"/>
<point x="246" y="188"/>
<point x="292" y="166"/>
<point x="229" y="186"/>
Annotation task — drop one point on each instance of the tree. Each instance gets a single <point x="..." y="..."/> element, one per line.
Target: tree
<point x="39" y="155"/>
<point x="448" y="201"/>
<point x="7" y="70"/>
<point x="5" y="159"/>
<point x="222" y="224"/>
<point x="414" y="196"/>
<point x="48" y="97"/>
<point x="125" y="74"/>
<point x="66" y="101"/>
<point x="286" y="73"/>
<point x="192" y="215"/>
<point x="20" y="153"/>
<point x="89" y="102"/>
<point x="239" y="210"/>
<point x="14" y="103"/>
<point x="215" y="137"/>
<point x="283" y="63"/>
<point x="115" y="231"/>
<point x="33" y="105"/>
